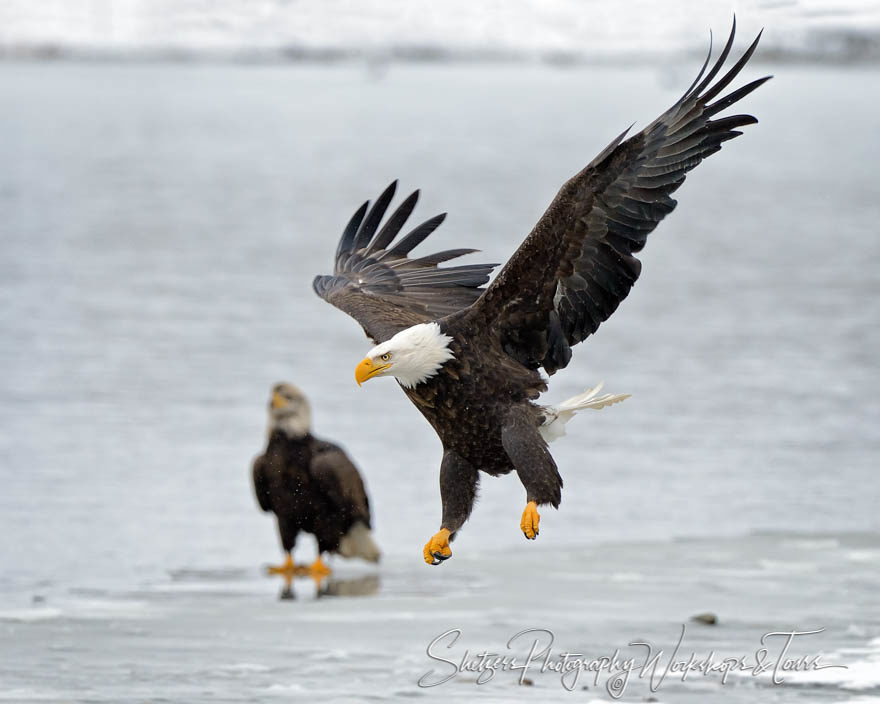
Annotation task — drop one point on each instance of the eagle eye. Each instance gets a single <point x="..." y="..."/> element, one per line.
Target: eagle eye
<point x="385" y="357"/>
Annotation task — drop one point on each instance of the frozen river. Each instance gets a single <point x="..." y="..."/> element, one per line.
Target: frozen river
<point x="160" y="228"/>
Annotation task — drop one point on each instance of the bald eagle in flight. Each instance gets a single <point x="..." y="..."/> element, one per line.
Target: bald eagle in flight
<point x="311" y="486"/>
<point x="470" y="358"/>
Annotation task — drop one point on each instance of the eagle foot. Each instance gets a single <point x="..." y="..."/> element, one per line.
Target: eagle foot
<point x="437" y="548"/>
<point x="530" y="520"/>
<point x="289" y="569"/>
<point x="318" y="570"/>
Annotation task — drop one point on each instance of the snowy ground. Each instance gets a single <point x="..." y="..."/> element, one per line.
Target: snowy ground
<point x="202" y="635"/>
<point x="562" y="30"/>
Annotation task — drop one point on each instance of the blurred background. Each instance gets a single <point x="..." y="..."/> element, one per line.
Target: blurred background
<point x="173" y="175"/>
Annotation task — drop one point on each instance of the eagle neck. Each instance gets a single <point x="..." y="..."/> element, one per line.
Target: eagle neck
<point x="279" y="436"/>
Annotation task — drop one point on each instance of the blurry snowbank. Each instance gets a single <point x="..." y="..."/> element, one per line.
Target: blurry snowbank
<point x="559" y="31"/>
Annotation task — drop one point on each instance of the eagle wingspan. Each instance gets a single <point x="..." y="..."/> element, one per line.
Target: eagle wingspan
<point x="340" y="481"/>
<point x="577" y="264"/>
<point x="376" y="282"/>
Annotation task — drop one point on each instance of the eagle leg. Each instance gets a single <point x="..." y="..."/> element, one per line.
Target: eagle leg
<point x="458" y="490"/>
<point x="534" y="465"/>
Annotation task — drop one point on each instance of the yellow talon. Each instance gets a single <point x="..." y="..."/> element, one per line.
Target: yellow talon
<point x="318" y="570"/>
<point x="437" y="548"/>
<point x="288" y="569"/>
<point x="530" y="520"/>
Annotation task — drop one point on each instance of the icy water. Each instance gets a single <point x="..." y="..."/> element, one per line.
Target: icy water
<point x="160" y="228"/>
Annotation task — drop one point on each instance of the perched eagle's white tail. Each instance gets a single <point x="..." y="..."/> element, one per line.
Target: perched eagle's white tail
<point x="358" y="542"/>
<point x="555" y="417"/>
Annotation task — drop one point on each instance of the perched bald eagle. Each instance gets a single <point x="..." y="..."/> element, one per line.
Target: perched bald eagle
<point x="469" y="358"/>
<point x="311" y="486"/>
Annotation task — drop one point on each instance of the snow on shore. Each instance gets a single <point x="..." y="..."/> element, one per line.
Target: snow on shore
<point x="564" y="30"/>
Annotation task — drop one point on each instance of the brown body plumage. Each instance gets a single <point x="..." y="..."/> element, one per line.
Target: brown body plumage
<point x="310" y="484"/>
<point x="312" y="487"/>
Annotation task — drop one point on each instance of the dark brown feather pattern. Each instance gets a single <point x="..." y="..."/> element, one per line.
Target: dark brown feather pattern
<point x="577" y="264"/>
<point x="312" y="486"/>
<point x="381" y="287"/>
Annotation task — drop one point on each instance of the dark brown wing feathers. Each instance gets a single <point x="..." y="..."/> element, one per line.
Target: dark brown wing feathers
<point x="575" y="267"/>
<point x="577" y="264"/>
<point x="340" y="482"/>
<point x="381" y="287"/>
<point x="262" y="484"/>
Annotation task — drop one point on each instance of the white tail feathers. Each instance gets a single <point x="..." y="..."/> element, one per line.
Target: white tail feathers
<point x="358" y="542"/>
<point x="555" y="417"/>
<point x="590" y="399"/>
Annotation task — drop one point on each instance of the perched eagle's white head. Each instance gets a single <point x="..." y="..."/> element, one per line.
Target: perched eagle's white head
<point x="289" y="411"/>
<point x="412" y="356"/>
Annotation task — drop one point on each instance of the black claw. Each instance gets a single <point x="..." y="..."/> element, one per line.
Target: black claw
<point x="440" y="556"/>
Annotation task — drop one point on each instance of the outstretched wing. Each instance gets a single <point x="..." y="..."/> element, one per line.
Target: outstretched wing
<point x="376" y="282"/>
<point x="577" y="264"/>
<point x="340" y="481"/>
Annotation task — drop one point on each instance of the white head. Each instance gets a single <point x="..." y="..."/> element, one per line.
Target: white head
<point x="289" y="411"/>
<point x="412" y="356"/>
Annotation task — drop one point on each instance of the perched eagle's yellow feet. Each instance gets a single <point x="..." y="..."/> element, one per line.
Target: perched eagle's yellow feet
<point x="318" y="570"/>
<point x="288" y="569"/>
<point x="437" y="548"/>
<point x="530" y="521"/>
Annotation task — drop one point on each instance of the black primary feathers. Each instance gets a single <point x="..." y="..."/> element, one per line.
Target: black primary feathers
<point x="577" y="264"/>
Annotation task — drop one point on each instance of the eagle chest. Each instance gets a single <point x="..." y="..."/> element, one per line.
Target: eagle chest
<point x="288" y="464"/>
<point x="463" y="415"/>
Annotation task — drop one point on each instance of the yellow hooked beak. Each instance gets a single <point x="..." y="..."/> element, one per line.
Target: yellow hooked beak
<point x="367" y="370"/>
<point x="278" y="401"/>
